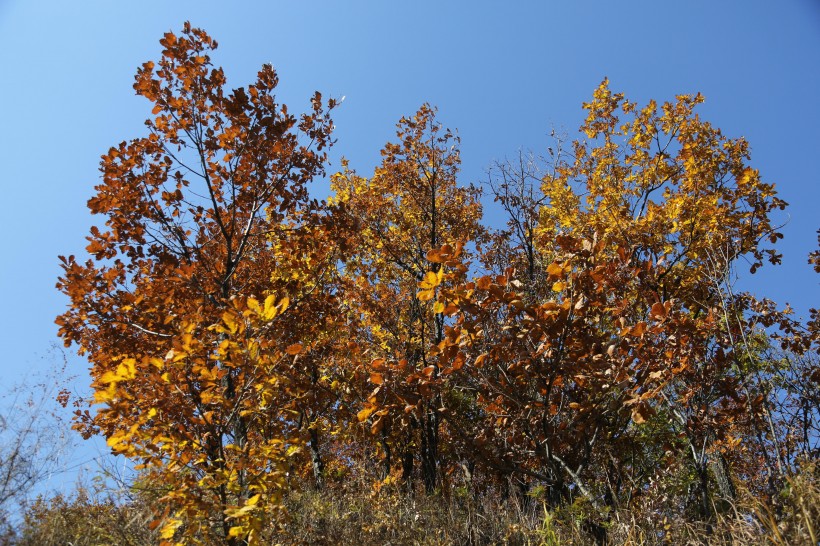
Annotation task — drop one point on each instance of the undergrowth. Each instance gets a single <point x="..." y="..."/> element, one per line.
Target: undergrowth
<point x="362" y="512"/>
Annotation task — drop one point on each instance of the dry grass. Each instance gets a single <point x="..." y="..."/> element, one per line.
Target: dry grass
<point x="361" y="514"/>
<point x="355" y="511"/>
<point x="88" y="517"/>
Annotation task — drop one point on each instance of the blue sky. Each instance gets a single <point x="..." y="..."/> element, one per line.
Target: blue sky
<point x="502" y="73"/>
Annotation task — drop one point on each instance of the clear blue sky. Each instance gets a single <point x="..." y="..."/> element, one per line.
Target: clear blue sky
<point x="502" y="73"/>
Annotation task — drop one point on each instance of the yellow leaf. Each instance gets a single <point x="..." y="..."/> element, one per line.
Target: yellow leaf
<point x="128" y="369"/>
<point x="438" y="307"/>
<point x="109" y="377"/>
<point x="254" y="500"/>
<point x="125" y="371"/>
<point x="431" y="280"/>
<point x="156" y="362"/>
<point x="116" y="439"/>
<point x="170" y="528"/>
<point x="270" y="307"/>
<point x="253" y="305"/>
<point x="230" y="322"/>
<point x="555" y="269"/>
<point x="426" y="295"/>
<point x="237" y="531"/>
<point x="559" y="286"/>
<point x="107" y="395"/>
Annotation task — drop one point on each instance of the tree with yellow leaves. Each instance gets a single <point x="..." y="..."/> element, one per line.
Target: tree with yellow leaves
<point x="632" y="335"/>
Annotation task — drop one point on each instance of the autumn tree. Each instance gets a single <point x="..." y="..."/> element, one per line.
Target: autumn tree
<point x="244" y="338"/>
<point x="410" y="205"/>
<point x="191" y="342"/>
<point x="677" y="195"/>
<point x="632" y="351"/>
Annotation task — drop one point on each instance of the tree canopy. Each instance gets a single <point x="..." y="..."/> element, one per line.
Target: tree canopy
<point x="247" y="339"/>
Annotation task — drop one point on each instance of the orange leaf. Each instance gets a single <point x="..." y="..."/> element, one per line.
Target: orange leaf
<point x="658" y="311"/>
<point x="435" y="256"/>
<point x="555" y="269"/>
<point x="377" y="364"/>
<point x="641" y="413"/>
<point x="365" y="413"/>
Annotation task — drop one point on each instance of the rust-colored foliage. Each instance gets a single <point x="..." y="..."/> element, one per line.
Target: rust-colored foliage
<point x="410" y="205"/>
<point x="245" y="339"/>
<point x="630" y="352"/>
<point x="189" y="308"/>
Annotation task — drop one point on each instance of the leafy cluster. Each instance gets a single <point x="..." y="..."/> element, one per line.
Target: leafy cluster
<point x="250" y="344"/>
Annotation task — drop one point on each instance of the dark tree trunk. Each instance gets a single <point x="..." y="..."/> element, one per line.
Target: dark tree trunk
<point x="724" y="480"/>
<point x="316" y="459"/>
<point x="429" y="450"/>
<point x="407" y="469"/>
<point x="387" y="462"/>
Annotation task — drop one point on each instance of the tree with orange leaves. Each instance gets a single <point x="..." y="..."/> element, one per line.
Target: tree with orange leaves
<point x="191" y="341"/>
<point x="243" y="336"/>
<point x="411" y="204"/>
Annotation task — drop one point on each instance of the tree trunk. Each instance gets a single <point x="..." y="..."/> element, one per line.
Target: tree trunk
<point x="388" y="455"/>
<point x="704" y="506"/>
<point x="407" y="469"/>
<point x="724" y="481"/>
<point x="316" y="459"/>
<point x="429" y="450"/>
